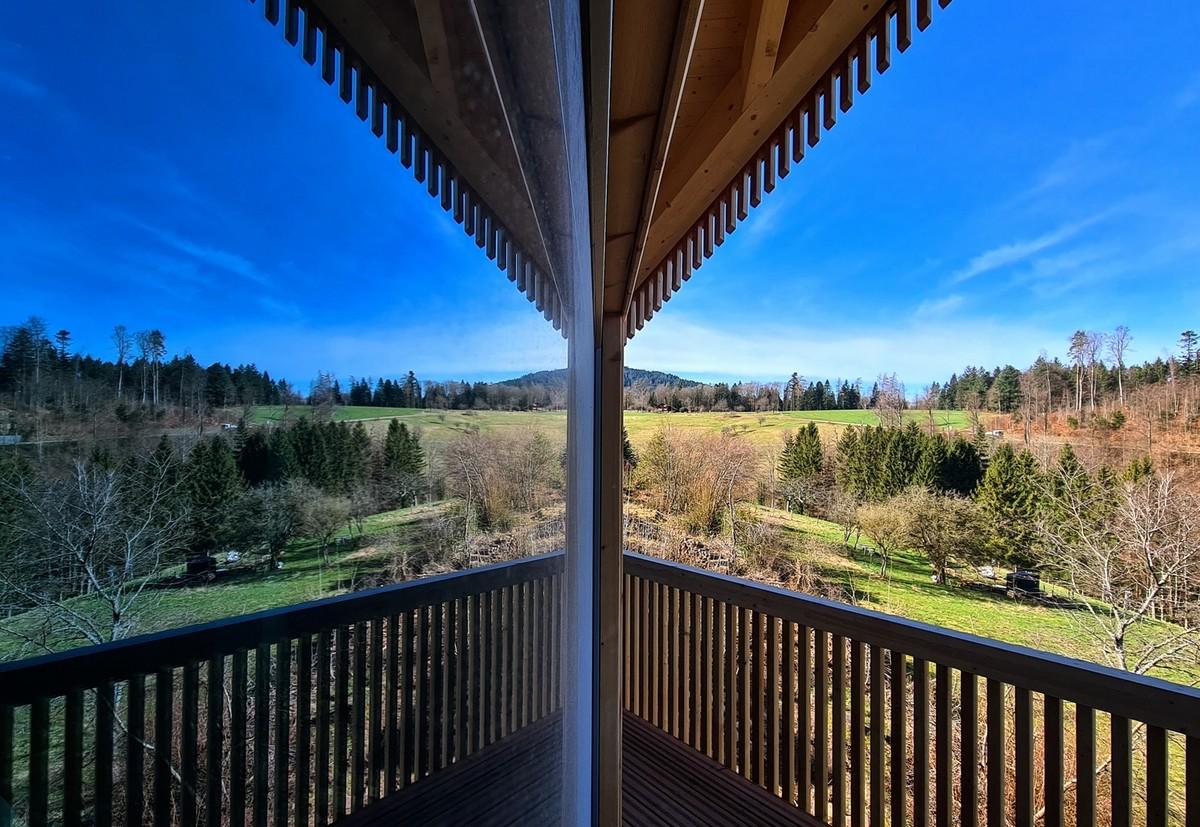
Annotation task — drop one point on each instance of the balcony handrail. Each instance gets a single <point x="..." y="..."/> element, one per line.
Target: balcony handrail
<point x="56" y="674"/>
<point x="1142" y="698"/>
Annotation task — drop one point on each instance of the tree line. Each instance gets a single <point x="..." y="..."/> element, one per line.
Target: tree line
<point x="1095" y="370"/>
<point x="107" y="526"/>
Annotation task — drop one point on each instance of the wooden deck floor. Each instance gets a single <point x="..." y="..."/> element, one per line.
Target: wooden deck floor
<point x="665" y="784"/>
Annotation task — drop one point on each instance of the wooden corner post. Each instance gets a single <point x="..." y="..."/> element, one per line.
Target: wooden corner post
<point x="610" y="466"/>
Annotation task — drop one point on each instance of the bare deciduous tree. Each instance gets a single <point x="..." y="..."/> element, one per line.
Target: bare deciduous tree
<point x="1129" y="550"/>
<point x="1118" y="345"/>
<point x="123" y="345"/>
<point x="101" y="533"/>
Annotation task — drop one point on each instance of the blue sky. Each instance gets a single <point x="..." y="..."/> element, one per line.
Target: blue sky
<point x="1013" y="177"/>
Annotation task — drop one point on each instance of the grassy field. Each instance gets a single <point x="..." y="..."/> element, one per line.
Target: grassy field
<point x="909" y="591"/>
<point x="303" y="578"/>
<point x="439" y="427"/>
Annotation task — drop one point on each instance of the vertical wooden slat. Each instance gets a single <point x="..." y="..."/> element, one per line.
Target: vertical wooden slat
<point x="729" y="686"/>
<point x="495" y="653"/>
<point x="213" y="737"/>
<point x="657" y="636"/>
<point x="375" y="712"/>
<point x="725" y="668"/>
<point x="878" y="730"/>
<point x="486" y="685"/>
<point x="838" y="720"/>
<point x="944" y="789"/>
<point x="627" y="647"/>
<point x="503" y="668"/>
<point x="462" y="677"/>
<point x="358" y="720"/>
<point x="695" y="705"/>
<point x="188" y="739"/>
<point x="135" y="734"/>
<point x="404" y="753"/>
<point x="7" y="751"/>
<point x="969" y="768"/>
<point x="283" y="729"/>
<point x="1085" y="766"/>
<point x="303" y="727"/>
<point x="421" y="678"/>
<point x="821" y="726"/>
<point x="705" y="706"/>
<point x="474" y="670"/>
<point x="322" y="757"/>
<point x="391" y="688"/>
<point x="757" y="705"/>
<point x="164" y="719"/>
<point x="1052" y="760"/>
<point x="858" y="753"/>
<point x="341" y="695"/>
<point x="72" y="758"/>
<point x="791" y="737"/>
<point x="996" y="803"/>
<point x="1157" y="785"/>
<point x="671" y="701"/>
<point x="1122" y="772"/>
<point x="513" y="663"/>
<point x="262" y="732"/>
<point x="527" y="652"/>
<point x="105" y="718"/>
<point x="920" y="743"/>
<point x="536" y="618"/>
<point x="804" y="761"/>
<point x="772" y="700"/>
<point x="636" y="652"/>
<point x="39" y="763"/>
<point x="745" y="705"/>
<point x="899" y="738"/>
<point x="1023" y="786"/>
<point x="237" y="738"/>
<point x="1192" y="782"/>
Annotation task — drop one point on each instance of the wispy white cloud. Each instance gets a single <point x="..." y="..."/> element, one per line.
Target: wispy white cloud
<point x="1019" y="251"/>
<point x="1189" y="94"/>
<point x="205" y="255"/>
<point x="13" y="83"/>
<point x="915" y="350"/>
<point x="511" y="345"/>
<point x="940" y="306"/>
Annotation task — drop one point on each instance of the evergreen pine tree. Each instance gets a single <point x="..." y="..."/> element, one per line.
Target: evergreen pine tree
<point x="631" y="457"/>
<point x="1008" y="498"/>
<point x="213" y="486"/>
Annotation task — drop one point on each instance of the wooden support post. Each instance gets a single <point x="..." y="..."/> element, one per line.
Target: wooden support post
<point x="609" y="469"/>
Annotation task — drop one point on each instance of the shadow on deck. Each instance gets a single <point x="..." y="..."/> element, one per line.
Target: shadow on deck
<point x="665" y="783"/>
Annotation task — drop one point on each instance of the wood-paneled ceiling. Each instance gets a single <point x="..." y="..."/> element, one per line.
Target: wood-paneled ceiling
<point x="708" y="103"/>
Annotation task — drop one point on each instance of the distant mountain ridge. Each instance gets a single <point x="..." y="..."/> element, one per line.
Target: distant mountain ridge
<point x="558" y="379"/>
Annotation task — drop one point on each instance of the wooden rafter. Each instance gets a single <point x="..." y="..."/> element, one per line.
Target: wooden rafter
<point x="762" y="46"/>
<point x="734" y="155"/>
<point x="691" y="12"/>
<point x="375" y="55"/>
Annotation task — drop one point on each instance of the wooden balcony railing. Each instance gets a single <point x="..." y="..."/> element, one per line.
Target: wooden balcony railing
<point x="302" y="715"/>
<point x="831" y="708"/>
<point x="297" y="715"/>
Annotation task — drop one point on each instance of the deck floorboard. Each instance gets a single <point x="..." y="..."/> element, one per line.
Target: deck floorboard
<point x="514" y="782"/>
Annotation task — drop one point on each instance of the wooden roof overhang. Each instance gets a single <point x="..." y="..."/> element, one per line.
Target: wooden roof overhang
<point x="707" y="103"/>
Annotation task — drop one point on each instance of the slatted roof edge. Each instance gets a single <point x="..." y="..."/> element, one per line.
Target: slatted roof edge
<point x="306" y="28"/>
<point x="816" y="113"/>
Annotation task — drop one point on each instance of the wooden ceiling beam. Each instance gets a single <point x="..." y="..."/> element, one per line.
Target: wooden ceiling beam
<point x="378" y="31"/>
<point x="762" y="46"/>
<point x="437" y="49"/>
<point x="690" y="15"/>
<point x="815" y="35"/>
